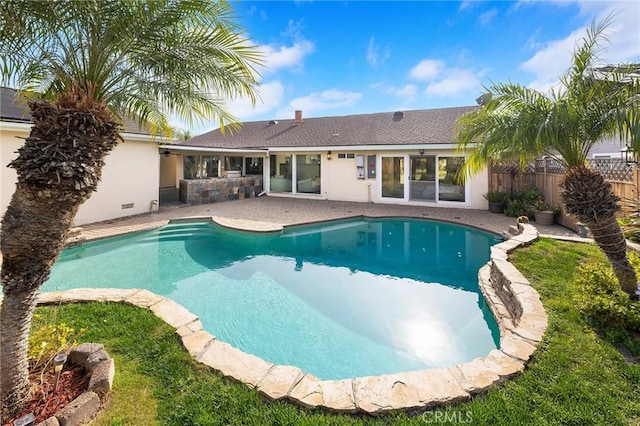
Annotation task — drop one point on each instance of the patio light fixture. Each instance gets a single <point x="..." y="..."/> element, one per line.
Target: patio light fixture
<point x="58" y="362"/>
<point x="421" y="151"/>
<point x="628" y="155"/>
<point x="328" y="155"/>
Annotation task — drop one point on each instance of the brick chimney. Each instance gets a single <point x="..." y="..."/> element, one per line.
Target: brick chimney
<point x="298" y="118"/>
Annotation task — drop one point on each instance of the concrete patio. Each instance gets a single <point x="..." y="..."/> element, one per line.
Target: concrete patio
<point x="280" y="211"/>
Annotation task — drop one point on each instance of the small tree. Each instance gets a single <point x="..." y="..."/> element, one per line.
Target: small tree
<point x="87" y="65"/>
<point x="519" y="123"/>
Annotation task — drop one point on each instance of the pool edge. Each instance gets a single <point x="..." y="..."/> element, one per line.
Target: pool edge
<point x="515" y="305"/>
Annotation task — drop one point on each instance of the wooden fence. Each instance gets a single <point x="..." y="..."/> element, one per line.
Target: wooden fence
<point x="547" y="174"/>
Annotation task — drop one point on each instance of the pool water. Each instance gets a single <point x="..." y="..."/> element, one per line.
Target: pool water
<point x="338" y="300"/>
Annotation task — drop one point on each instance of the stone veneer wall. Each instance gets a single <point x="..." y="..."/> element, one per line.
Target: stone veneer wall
<point x="204" y="191"/>
<point x="514" y="303"/>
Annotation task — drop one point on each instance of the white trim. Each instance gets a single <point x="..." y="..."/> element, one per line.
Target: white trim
<point x="13" y="125"/>
<point x="207" y="149"/>
<point x="426" y="147"/>
<point x="26" y="127"/>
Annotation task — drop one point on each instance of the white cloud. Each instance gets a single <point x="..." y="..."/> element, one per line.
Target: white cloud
<point x="374" y="56"/>
<point x="455" y="82"/>
<point x="320" y="101"/>
<point x="426" y="70"/>
<point x="407" y="92"/>
<point x="271" y="96"/>
<point x="553" y="59"/>
<point x="487" y="17"/>
<point x="286" y="56"/>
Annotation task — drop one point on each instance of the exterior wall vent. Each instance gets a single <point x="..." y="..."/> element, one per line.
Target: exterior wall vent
<point x="127" y="206"/>
<point x="398" y="115"/>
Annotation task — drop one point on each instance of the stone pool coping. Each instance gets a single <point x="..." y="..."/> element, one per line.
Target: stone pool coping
<point x="516" y="306"/>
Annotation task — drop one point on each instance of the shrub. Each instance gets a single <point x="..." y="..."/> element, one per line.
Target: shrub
<point x="515" y="208"/>
<point x="602" y="300"/>
<point x="48" y="340"/>
<point x="498" y="197"/>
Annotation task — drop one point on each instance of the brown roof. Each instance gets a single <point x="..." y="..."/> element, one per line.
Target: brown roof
<point x="429" y="126"/>
<point x="14" y="109"/>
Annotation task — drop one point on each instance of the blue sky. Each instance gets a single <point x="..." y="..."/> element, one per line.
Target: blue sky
<point x="351" y="57"/>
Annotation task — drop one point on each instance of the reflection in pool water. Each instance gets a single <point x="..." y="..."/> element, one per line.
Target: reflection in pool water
<point x="340" y="299"/>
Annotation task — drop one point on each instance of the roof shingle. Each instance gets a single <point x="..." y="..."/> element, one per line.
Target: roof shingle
<point x="429" y="126"/>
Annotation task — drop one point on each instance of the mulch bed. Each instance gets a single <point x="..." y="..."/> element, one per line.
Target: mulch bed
<point x="45" y="402"/>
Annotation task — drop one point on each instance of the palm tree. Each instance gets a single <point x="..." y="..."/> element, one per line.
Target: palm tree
<point x="88" y="65"/>
<point x="520" y="123"/>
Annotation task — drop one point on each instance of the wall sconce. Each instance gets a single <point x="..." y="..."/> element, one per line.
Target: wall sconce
<point x="166" y="153"/>
<point x="421" y="151"/>
<point x="328" y="155"/>
<point x="628" y="155"/>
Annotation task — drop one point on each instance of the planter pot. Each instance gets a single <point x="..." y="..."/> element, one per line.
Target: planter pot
<point x="544" y="217"/>
<point x="496" y="207"/>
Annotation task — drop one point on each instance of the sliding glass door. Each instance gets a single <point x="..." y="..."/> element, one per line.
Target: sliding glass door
<point x="393" y="178"/>
<point x="428" y="178"/>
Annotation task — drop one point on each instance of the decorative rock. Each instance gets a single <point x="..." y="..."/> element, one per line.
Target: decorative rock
<point x="51" y="421"/>
<point x="49" y="298"/>
<point x="196" y="342"/>
<point x="338" y="395"/>
<point x="234" y="363"/>
<point x="94" y="359"/>
<point x="79" y="354"/>
<point x="476" y="376"/>
<point x="307" y="392"/>
<point x="279" y="381"/>
<point x="80" y="410"/>
<point x="172" y="313"/>
<point x="112" y="294"/>
<point x="190" y="328"/>
<point x="516" y="347"/>
<point x="102" y="377"/>
<point x="143" y="299"/>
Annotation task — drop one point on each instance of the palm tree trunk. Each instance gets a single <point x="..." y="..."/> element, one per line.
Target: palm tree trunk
<point x="609" y="237"/>
<point x="591" y="199"/>
<point x="58" y="168"/>
<point x="34" y="229"/>
<point x="15" y="315"/>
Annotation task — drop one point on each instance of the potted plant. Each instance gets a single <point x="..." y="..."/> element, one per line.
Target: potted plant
<point x="497" y="200"/>
<point x="544" y="212"/>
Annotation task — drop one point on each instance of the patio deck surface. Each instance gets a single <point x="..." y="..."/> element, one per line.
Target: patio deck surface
<point x="269" y="212"/>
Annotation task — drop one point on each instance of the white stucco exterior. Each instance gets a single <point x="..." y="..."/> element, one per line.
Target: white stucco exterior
<point x="130" y="176"/>
<point x="340" y="182"/>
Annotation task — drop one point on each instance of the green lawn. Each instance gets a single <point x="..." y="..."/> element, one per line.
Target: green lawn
<point x="576" y="377"/>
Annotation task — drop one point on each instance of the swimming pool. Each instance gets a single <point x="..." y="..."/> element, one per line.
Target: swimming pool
<point x="340" y="299"/>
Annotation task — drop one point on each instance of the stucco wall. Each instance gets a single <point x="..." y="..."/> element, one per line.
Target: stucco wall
<point x="9" y="144"/>
<point x="340" y="182"/>
<point x="131" y="175"/>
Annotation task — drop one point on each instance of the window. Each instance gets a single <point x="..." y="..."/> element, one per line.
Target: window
<point x="280" y="170"/>
<point x="449" y="189"/>
<point x="308" y="174"/>
<point x="200" y="166"/>
<point x="346" y="155"/>
<point x="299" y="174"/>
<point x="253" y="165"/>
<point x="233" y="164"/>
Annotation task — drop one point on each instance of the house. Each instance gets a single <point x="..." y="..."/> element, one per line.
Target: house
<point x="402" y="157"/>
<point x="130" y="176"/>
